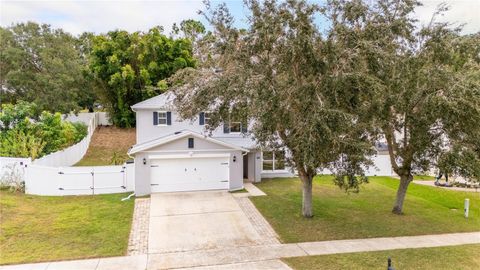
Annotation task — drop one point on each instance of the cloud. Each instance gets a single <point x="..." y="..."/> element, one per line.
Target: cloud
<point x="104" y="15"/>
<point x="460" y="12"/>
<point x="100" y="16"/>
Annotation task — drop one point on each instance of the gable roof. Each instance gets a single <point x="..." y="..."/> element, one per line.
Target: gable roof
<point x="178" y="135"/>
<point x="160" y="101"/>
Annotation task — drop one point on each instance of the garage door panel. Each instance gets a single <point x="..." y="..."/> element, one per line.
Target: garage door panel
<point x="168" y="175"/>
<point x="173" y="187"/>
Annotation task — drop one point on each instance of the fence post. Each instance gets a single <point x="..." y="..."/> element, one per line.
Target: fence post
<point x="93" y="181"/>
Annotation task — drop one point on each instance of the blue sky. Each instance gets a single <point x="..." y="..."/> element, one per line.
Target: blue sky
<point x="104" y="15"/>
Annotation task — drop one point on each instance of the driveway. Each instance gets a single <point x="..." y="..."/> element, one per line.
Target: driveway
<point x="201" y="220"/>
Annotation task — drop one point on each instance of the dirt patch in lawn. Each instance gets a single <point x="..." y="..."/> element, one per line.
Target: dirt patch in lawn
<point x="109" y="145"/>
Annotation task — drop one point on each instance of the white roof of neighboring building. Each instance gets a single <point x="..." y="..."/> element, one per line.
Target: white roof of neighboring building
<point x="178" y="135"/>
<point x="156" y="102"/>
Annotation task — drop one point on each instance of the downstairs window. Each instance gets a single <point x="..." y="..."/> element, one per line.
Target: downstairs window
<point x="273" y="160"/>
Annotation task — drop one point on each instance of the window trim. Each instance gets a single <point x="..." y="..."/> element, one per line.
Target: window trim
<point x="273" y="161"/>
<point x="166" y="118"/>
<point x="205" y="118"/>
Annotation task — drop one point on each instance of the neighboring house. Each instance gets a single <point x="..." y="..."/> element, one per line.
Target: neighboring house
<point x="181" y="155"/>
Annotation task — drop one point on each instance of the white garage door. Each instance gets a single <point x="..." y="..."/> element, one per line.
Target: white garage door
<point x="185" y="174"/>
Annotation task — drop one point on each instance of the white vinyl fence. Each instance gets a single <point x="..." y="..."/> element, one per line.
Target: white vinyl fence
<point x="60" y="181"/>
<point x="103" y="119"/>
<point x="73" y="154"/>
<point x="13" y="169"/>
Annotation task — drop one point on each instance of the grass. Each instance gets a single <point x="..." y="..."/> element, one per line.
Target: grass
<point x="454" y="257"/>
<point x="35" y="228"/>
<point x="340" y="215"/>
<point x="423" y="178"/>
<point x="108" y="143"/>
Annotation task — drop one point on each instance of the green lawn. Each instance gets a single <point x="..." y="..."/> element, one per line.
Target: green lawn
<point x="339" y="215"/>
<point x="447" y="258"/>
<point x="423" y="178"/>
<point x="35" y="228"/>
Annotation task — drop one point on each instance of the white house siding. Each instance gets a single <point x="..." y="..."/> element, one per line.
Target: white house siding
<point x="255" y="166"/>
<point x="382" y="166"/>
<point x="236" y="170"/>
<point x="277" y="174"/>
<point x="142" y="174"/>
<point x="147" y="131"/>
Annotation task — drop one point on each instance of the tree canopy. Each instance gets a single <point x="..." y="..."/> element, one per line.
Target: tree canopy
<point x="131" y="67"/>
<point x="42" y="65"/>
<point x="373" y="75"/>
<point x="280" y="73"/>
<point x="423" y="84"/>
<point x="26" y="133"/>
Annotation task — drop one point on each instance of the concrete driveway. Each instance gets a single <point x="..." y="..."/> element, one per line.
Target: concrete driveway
<point x="202" y="220"/>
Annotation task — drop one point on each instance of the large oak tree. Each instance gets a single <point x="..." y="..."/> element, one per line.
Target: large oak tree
<point x="424" y="84"/>
<point x="43" y="65"/>
<point x="281" y="74"/>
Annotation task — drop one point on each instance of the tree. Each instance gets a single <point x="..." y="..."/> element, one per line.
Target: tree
<point x="131" y="67"/>
<point x="42" y="65"/>
<point x="88" y="96"/>
<point x="26" y="133"/>
<point x="279" y="73"/>
<point x="190" y="29"/>
<point x="423" y="83"/>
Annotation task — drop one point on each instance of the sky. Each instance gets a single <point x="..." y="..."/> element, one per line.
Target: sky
<point x="100" y="16"/>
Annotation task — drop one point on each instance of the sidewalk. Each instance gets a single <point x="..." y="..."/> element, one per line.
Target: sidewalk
<point x="255" y="257"/>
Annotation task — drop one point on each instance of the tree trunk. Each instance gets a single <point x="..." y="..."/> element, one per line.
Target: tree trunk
<point x="401" y="192"/>
<point x="307" y="196"/>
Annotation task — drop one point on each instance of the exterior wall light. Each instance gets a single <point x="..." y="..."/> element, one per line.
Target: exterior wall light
<point x="144" y="161"/>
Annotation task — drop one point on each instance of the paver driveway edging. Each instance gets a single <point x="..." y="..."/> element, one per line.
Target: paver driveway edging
<point x="260" y="224"/>
<point x="138" y="240"/>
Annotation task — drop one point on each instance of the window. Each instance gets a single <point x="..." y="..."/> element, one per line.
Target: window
<point x="206" y="118"/>
<point x="273" y="160"/>
<point x="162" y="118"/>
<point x="190" y="142"/>
<point x="235" y="127"/>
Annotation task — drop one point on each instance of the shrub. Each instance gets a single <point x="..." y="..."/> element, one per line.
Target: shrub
<point x="21" y="143"/>
<point x="33" y="136"/>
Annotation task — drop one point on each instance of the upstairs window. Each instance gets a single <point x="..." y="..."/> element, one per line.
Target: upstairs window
<point x="162" y="118"/>
<point x="206" y="118"/>
<point x="235" y="127"/>
<point x="273" y="160"/>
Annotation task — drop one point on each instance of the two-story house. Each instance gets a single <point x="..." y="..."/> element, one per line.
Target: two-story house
<point x="181" y="155"/>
